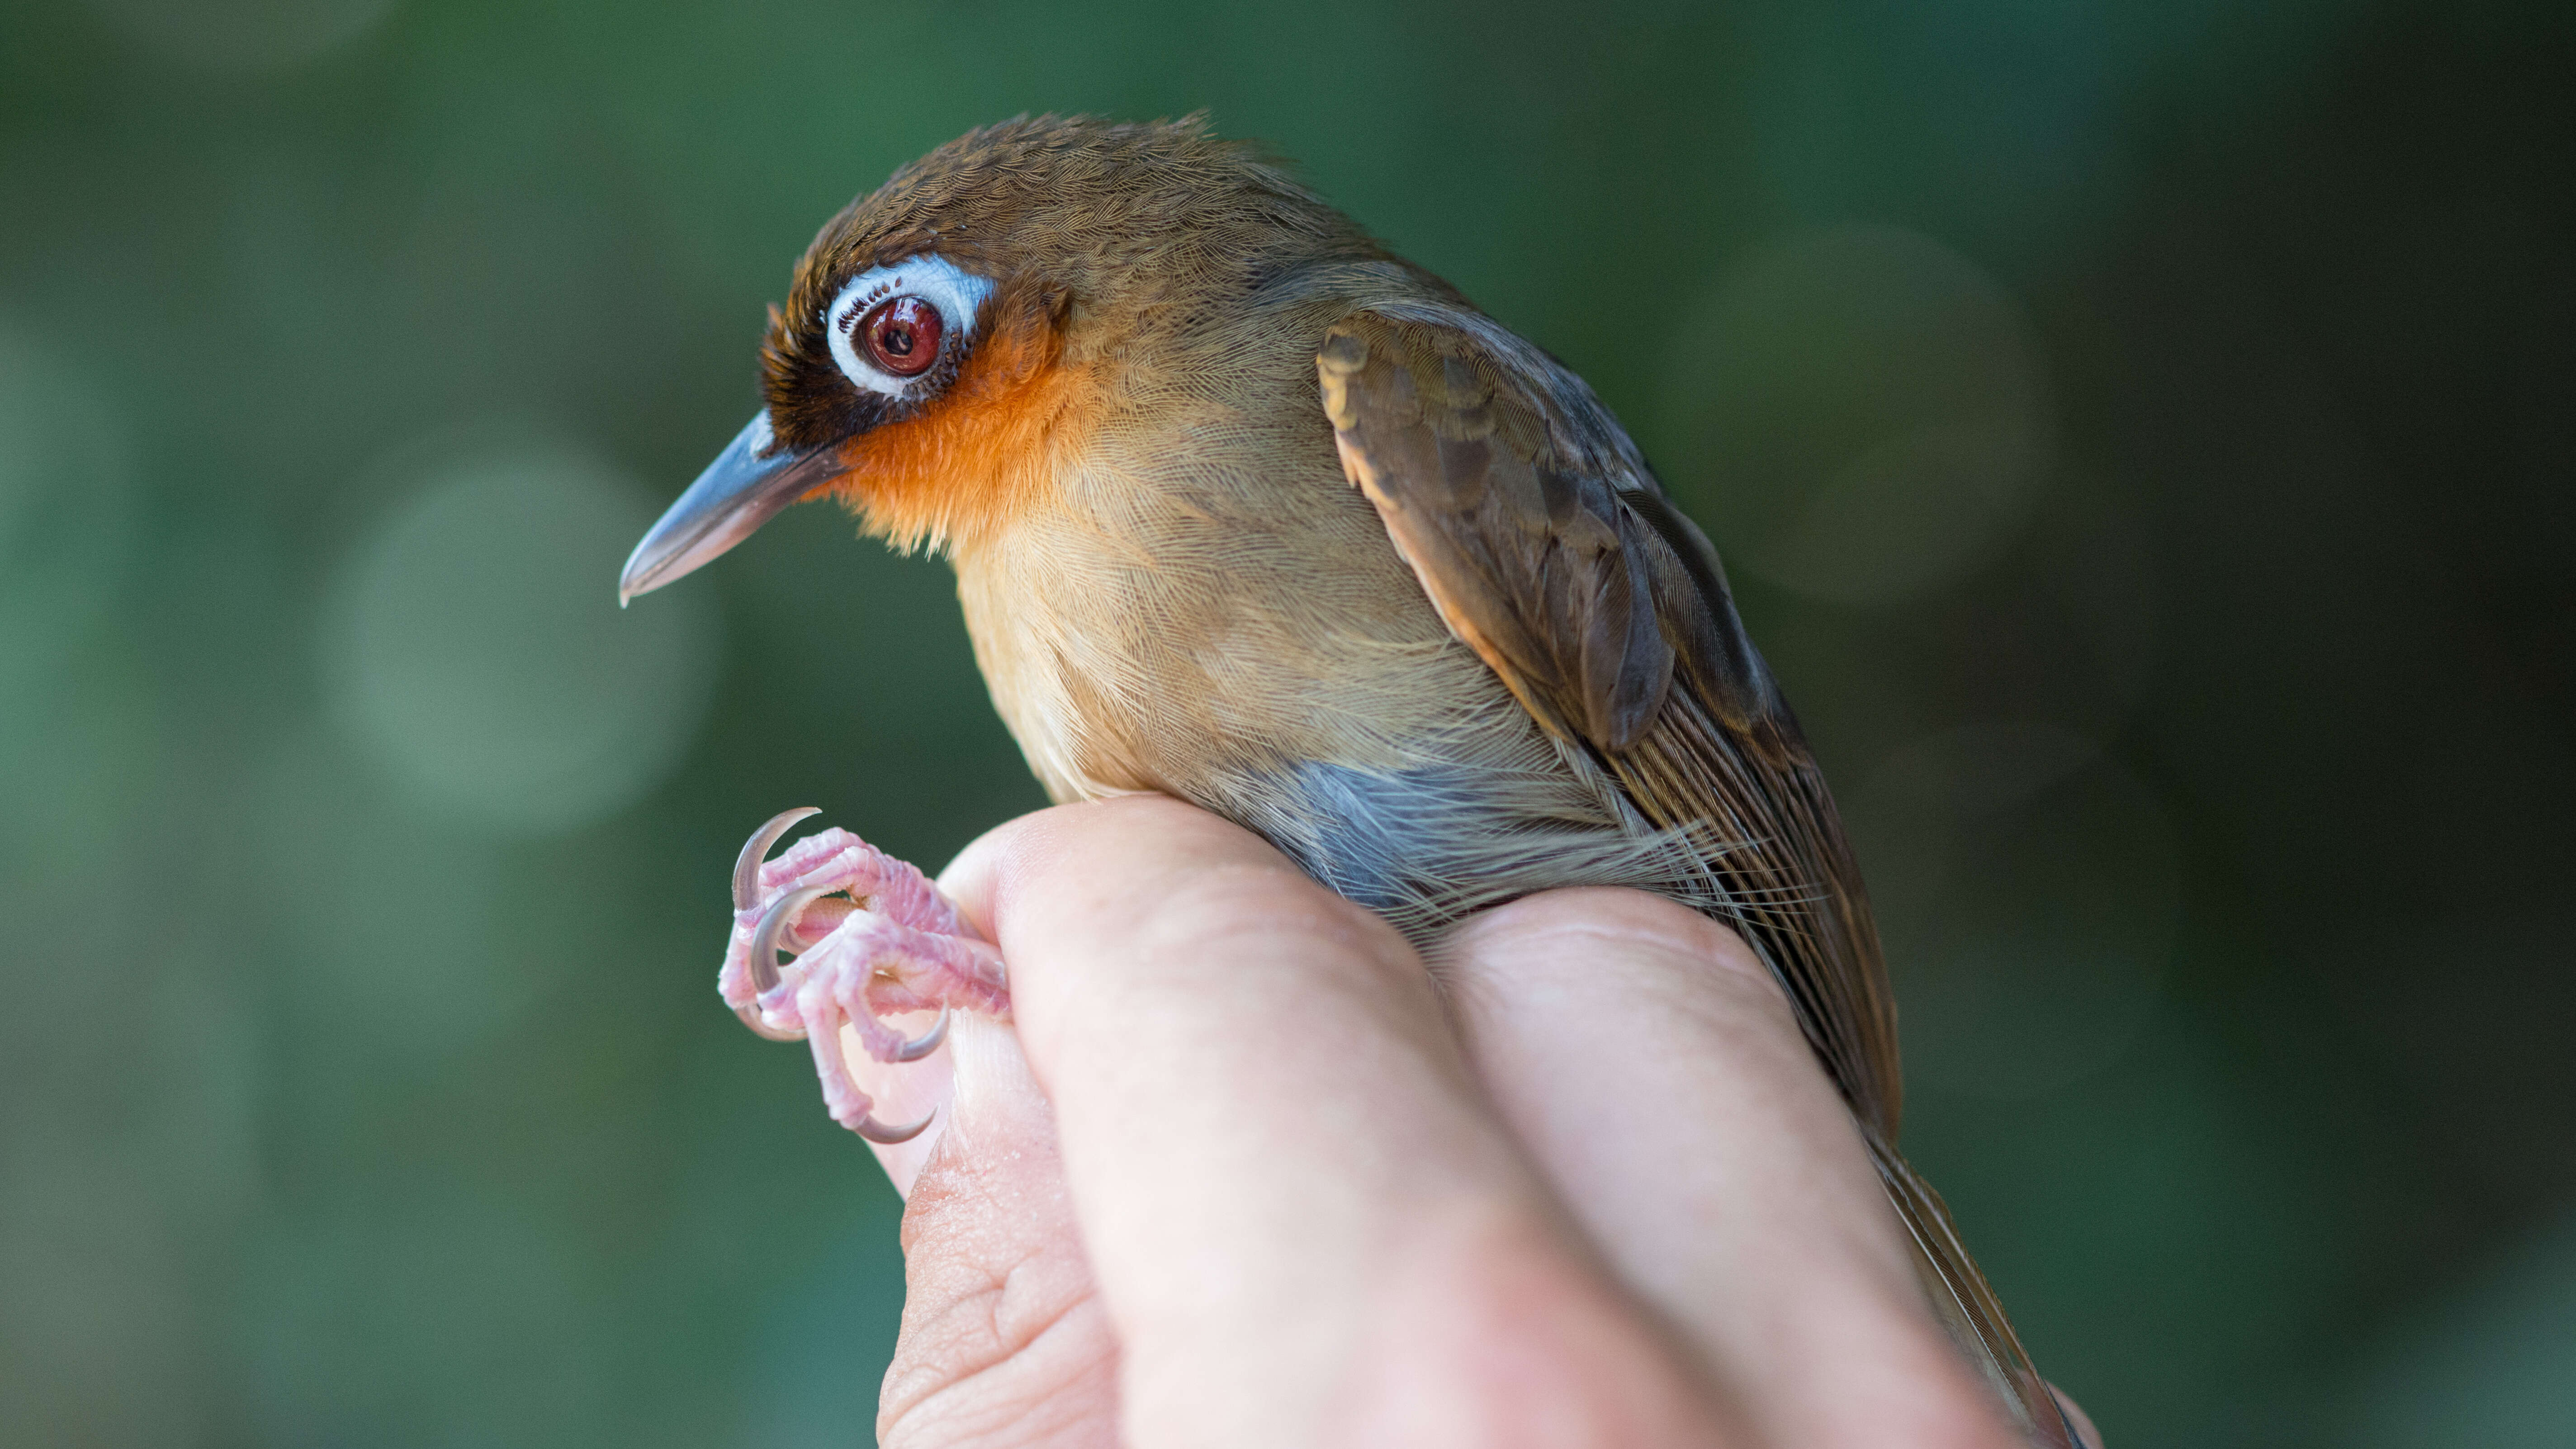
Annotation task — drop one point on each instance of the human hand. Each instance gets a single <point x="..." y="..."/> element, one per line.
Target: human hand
<point x="1243" y="1175"/>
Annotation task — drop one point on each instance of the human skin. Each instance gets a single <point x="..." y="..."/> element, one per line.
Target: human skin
<point x="1246" y="1170"/>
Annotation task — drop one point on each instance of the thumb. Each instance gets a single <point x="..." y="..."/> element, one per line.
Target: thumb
<point x="1004" y="1342"/>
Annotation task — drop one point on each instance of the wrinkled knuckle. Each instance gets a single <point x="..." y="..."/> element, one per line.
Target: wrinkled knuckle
<point x="970" y="1371"/>
<point x="965" y="1414"/>
<point x="951" y="1334"/>
<point x="1004" y="1404"/>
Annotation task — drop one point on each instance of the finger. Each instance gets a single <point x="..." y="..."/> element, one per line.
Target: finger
<point x="1652" y="1068"/>
<point x="1004" y="1344"/>
<point x="1305" y="1226"/>
<point x="2092" y="1437"/>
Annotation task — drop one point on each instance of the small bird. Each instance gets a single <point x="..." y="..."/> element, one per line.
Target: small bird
<point x="1250" y="511"/>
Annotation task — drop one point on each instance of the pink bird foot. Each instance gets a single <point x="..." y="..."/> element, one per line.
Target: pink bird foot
<point x="874" y="938"/>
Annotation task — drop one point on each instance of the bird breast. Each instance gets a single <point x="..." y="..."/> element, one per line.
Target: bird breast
<point x="1199" y="603"/>
<point x="1197" y="589"/>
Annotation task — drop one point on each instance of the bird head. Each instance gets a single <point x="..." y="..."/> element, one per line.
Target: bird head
<point x="991" y="300"/>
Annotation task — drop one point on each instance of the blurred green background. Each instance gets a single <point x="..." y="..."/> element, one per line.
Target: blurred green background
<point x="2142" y="435"/>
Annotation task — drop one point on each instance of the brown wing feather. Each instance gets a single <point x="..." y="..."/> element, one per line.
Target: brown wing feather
<point x="1564" y="583"/>
<point x="1548" y="549"/>
<point x="1525" y="562"/>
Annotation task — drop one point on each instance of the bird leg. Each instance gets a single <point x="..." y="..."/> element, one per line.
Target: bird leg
<point x="874" y="938"/>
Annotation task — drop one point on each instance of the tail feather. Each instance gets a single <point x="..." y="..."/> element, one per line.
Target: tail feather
<point x="1967" y="1304"/>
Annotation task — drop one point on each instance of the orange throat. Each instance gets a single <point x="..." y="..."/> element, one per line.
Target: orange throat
<point x="960" y="470"/>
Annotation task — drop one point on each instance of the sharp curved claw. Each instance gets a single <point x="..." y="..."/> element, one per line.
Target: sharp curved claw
<point x="773" y="924"/>
<point x="746" y="866"/>
<point x="878" y="1132"/>
<point x="926" y="1043"/>
<point x="763" y="961"/>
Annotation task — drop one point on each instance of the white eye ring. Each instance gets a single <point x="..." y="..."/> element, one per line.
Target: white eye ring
<point x="935" y="280"/>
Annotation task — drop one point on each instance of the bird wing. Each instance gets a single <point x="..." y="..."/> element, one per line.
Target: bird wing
<point x="1547" y="548"/>
<point x="1550" y="550"/>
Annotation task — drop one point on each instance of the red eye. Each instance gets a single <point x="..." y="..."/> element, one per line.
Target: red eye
<point x="902" y="335"/>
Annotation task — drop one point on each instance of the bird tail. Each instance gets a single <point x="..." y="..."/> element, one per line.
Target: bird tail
<point x="1960" y="1293"/>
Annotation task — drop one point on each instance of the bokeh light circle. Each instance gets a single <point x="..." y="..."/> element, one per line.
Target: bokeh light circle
<point x="1859" y="412"/>
<point x="476" y="651"/>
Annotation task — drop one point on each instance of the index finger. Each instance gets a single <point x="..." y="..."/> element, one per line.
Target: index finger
<point x="1304" y="1224"/>
<point x="1655" y="1071"/>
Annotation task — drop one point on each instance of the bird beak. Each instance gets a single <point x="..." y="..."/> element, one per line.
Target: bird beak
<point x="746" y="486"/>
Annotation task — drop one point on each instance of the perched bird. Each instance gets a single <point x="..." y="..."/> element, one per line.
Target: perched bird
<point x="1248" y="510"/>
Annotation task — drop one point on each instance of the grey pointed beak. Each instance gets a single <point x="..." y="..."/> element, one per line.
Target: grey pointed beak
<point x="747" y="485"/>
